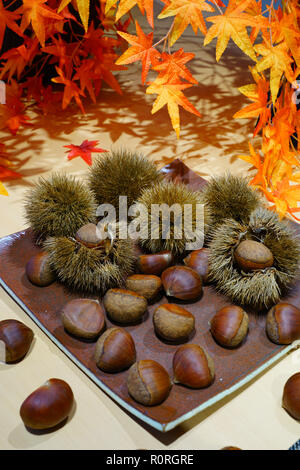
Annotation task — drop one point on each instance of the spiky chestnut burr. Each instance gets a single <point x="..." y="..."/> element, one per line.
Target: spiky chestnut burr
<point x="59" y="206"/>
<point x="90" y="270"/>
<point x="169" y="193"/>
<point x="260" y="288"/>
<point x="121" y="173"/>
<point x="230" y="197"/>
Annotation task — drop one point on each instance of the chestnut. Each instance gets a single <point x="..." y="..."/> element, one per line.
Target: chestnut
<point x="193" y="367"/>
<point x="173" y="322"/>
<point x="291" y="396"/>
<point x="124" y="306"/>
<point x="198" y="260"/>
<point x="115" y="350"/>
<point x="148" y="382"/>
<point x="16" y="339"/>
<point x="251" y="255"/>
<point x="48" y="405"/>
<point x="229" y="326"/>
<point x="89" y="236"/>
<point x="155" y="263"/>
<point x="182" y="282"/>
<point x="83" y="318"/>
<point x="230" y="448"/>
<point x="38" y="270"/>
<point x="283" y="323"/>
<point x="147" y="285"/>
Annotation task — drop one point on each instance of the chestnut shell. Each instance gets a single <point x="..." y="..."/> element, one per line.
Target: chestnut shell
<point x="17" y="338"/>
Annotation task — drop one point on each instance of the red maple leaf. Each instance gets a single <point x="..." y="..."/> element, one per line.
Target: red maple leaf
<point x="8" y="174"/>
<point x="84" y="150"/>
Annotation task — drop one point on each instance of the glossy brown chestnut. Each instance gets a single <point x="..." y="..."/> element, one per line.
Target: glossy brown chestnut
<point x="38" y="270"/>
<point x="124" y="306"/>
<point x="147" y="285"/>
<point x="115" y="350"/>
<point x="173" y="323"/>
<point x="48" y="405"/>
<point x="229" y="326"/>
<point x="182" y="282"/>
<point x="89" y="236"/>
<point x="16" y="339"/>
<point x="198" y="260"/>
<point x="291" y="396"/>
<point x="230" y="448"/>
<point x="83" y="318"/>
<point x="283" y="323"/>
<point x="155" y="263"/>
<point x="148" y="382"/>
<point x="251" y="255"/>
<point x="193" y="367"/>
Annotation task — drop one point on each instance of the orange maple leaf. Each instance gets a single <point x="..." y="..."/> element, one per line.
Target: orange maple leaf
<point x="170" y="94"/>
<point x="141" y="49"/>
<point x="186" y="12"/>
<point x="12" y="112"/>
<point x="232" y="24"/>
<point x="71" y="90"/>
<point x="286" y="28"/>
<point x="38" y="14"/>
<point x="258" y="93"/>
<point x="8" y="20"/>
<point x="285" y="197"/>
<point x="16" y="59"/>
<point x="172" y="67"/>
<point x="256" y="161"/>
<point x="126" y="5"/>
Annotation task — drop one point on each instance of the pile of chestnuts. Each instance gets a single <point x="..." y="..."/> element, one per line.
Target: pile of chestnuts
<point x="148" y="382"/>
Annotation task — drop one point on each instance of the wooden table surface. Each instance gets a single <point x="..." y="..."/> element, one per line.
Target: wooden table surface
<point x="251" y="418"/>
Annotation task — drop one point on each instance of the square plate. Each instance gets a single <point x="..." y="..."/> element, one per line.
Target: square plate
<point x="233" y="368"/>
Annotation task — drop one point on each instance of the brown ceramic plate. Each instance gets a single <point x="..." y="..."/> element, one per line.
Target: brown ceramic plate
<point x="233" y="367"/>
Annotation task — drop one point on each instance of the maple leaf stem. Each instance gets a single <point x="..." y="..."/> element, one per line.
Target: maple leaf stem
<point x="10" y="4"/>
<point x="166" y="36"/>
<point x="270" y="19"/>
<point x="218" y="7"/>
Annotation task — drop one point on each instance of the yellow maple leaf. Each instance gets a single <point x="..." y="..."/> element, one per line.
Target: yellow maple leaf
<point x="3" y="191"/>
<point x="170" y="94"/>
<point x="186" y="12"/>
<point x="232" y="24"/>
<point x="277" y="60"/>
<point x="83" y="10"/>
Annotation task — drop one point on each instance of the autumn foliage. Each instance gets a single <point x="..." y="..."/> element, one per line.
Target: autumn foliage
<point x="68" y="48"/>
